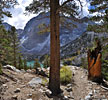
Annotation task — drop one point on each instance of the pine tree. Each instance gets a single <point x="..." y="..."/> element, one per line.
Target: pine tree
<point x="4" y="45"/>
<point x="4" y="6"/>
<point x="69" y="8"/>
<point x="25" y="64"/>
<point x="15" y="52"/>
<point x="9" y="50"/>
<point x="4" y="35"/>
<point x="101" y="8"/>
<point x="20" y="64"/>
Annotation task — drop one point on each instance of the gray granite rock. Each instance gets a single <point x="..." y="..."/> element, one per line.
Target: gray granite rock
<point x="35" y="81"/>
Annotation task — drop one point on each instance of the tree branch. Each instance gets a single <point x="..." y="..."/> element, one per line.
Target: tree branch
<point x="81" y="5"/>
<point x="62" y="5"/>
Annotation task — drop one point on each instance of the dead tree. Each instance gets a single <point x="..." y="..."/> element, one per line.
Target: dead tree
<point x="94" y="63"/>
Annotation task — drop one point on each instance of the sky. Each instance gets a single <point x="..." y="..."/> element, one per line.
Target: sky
<point x="19" y="19"/>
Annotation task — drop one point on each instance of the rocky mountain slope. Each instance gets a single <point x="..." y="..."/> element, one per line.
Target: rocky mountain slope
<point x="19" y="31"/>
<point x="79" y="46"/>
<point x="33" y="43"/>
<point x="26" y="85"/>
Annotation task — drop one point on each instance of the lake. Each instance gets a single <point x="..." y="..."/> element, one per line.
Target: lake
<point x="31" y="63"/>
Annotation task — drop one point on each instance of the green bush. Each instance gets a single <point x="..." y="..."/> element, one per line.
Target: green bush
<point x="65" y="75"/>
<point x="44" y="81"/>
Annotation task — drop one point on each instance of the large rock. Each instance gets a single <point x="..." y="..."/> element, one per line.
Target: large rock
<point x="11" y="68"/>
<point x="35" y="81"/>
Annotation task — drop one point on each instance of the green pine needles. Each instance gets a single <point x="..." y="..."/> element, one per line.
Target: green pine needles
<point x="101" y="8"/>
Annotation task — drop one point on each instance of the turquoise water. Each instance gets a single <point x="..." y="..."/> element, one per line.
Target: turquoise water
<point x="31" y="63"/>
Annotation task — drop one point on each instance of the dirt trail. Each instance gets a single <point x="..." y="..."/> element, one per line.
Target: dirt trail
<point x="84" y="89"/>
<point x="14" y="86"/>
<point x="80" y="89"/>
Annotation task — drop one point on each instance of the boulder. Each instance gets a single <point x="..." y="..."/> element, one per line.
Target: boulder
<point x="35" y="81"/>
<point x="11" y="68"/>
<point x="14" y="97"/>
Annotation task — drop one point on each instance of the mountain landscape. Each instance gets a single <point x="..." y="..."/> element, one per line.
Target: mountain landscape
<point x="73" y="39"/>
<point x="53" y="50"/>
<point x="34" y="44"/>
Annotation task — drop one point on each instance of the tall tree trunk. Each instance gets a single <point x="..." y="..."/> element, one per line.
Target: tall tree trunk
<point x="54" y="81"/>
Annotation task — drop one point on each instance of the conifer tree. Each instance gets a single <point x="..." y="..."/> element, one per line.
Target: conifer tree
<point x="4" y="45"/>
<point x="4" y="35"/>
<point x="25" y="64"/>
<point x="15" y="46"/>
<point x="99" y="9"/>
<point x="20" y="64"/>
<point x="9" y="50"/>
<point x="4" y="6"/>
<point x="67" y="7"/>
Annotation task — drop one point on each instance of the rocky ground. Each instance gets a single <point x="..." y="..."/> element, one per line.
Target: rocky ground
<point x="26" y="85"/>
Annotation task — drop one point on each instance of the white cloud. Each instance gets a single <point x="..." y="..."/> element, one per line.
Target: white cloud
<point x="19" y="19"/>
<point x="85" y="7"/>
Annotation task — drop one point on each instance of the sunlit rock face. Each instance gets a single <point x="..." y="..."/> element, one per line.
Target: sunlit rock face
<point x="33" y="43"/>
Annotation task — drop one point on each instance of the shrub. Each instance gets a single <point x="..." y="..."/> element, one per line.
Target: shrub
<point x="65" y="75"/>
<point x="44" y="81"/>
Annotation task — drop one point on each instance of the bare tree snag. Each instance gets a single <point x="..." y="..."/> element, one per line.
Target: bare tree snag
<point x="94" y="63"/>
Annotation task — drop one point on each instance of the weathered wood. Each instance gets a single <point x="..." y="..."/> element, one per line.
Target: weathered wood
<point x="94" y="63"/>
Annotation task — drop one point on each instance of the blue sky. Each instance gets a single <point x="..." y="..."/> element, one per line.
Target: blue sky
<point x="19" y="19"/>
